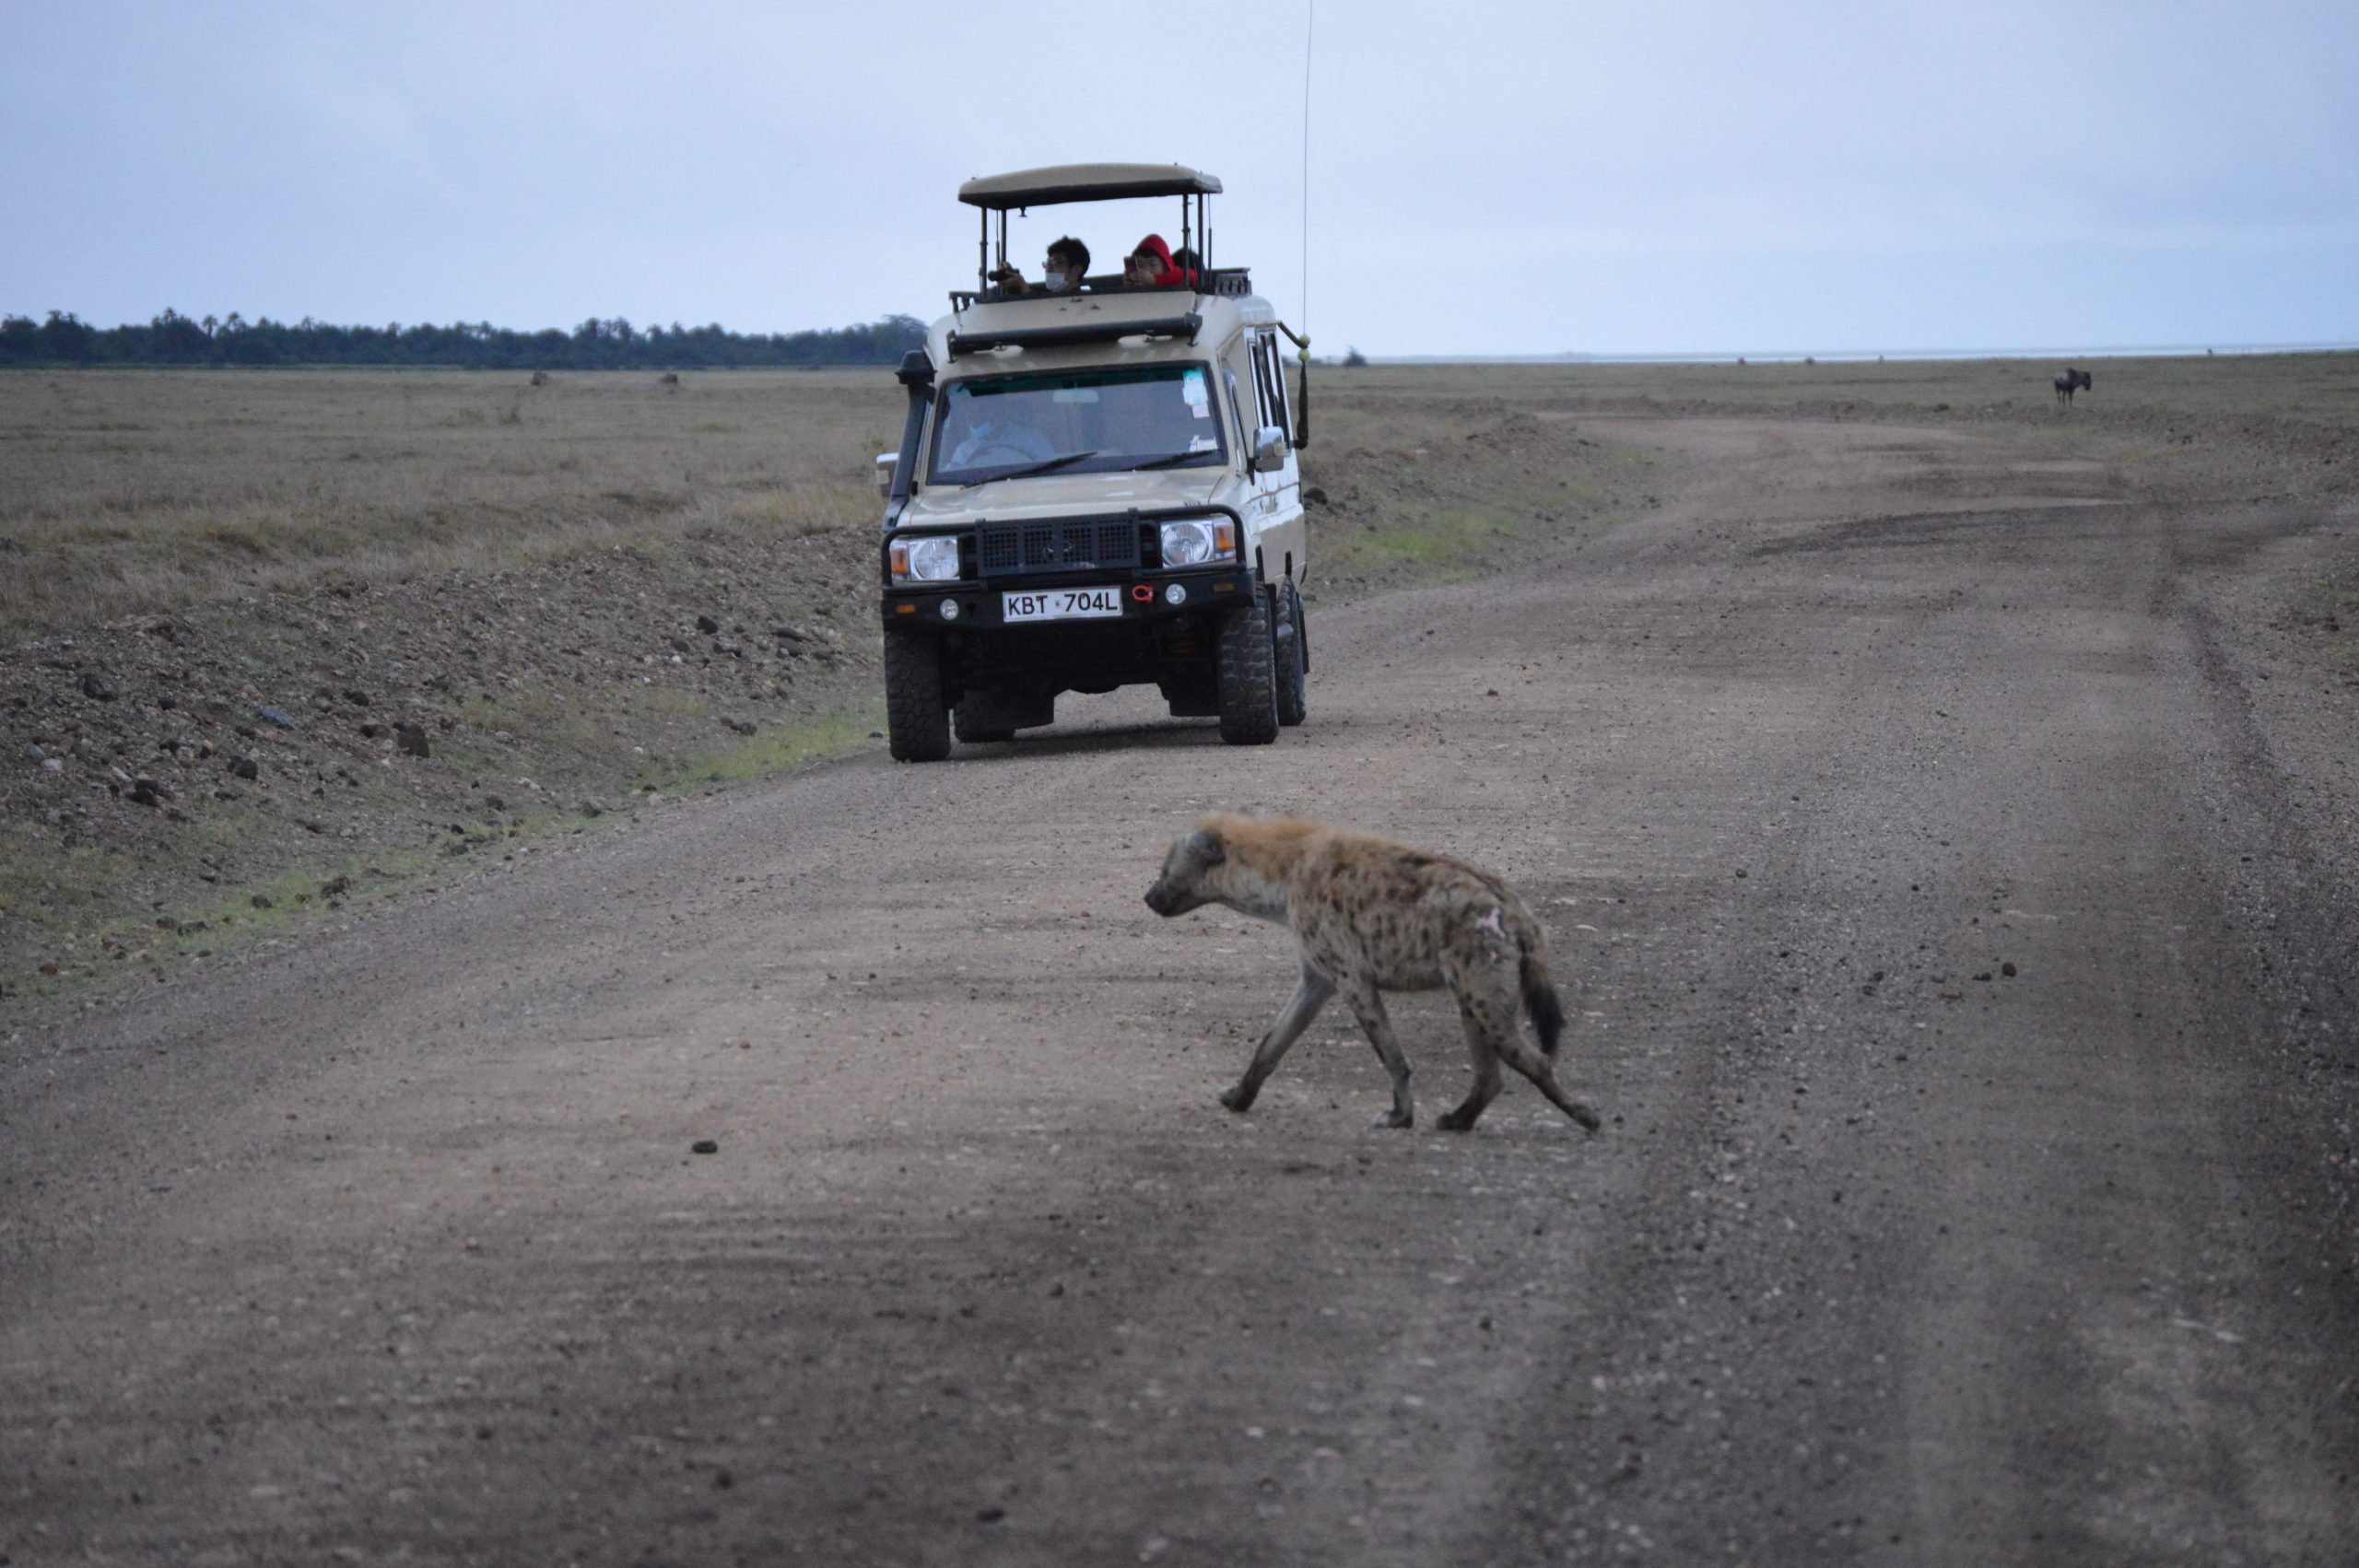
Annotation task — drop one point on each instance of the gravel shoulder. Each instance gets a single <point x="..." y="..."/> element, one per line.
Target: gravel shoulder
<point x="1946" y="842"/>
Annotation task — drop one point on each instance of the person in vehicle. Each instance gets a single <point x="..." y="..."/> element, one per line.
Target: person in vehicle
<point x="1150" y="266"/>
<point x="994" y="442"/>
<point x="1067" y="264"/>
<point x="989" y="443"/>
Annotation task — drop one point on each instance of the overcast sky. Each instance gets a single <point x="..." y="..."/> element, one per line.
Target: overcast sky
<point x="1484" y="178"/>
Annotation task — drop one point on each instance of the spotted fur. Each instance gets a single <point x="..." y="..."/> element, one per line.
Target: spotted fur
<point x="1374" y="917"/>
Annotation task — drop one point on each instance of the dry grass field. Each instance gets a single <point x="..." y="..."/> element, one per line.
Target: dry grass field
<point x="2309" y="390"/>
<point x="223" y="596"/>
<point x="127" y="493"/>
<point x="133" y="492"/>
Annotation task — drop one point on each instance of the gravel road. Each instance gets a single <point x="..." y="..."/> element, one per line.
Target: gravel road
<point x="1950" y="864"/>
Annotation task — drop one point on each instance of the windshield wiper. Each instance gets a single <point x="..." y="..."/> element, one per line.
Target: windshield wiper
<point x="1172" y="460"/>
<point x="1049" y="465"/>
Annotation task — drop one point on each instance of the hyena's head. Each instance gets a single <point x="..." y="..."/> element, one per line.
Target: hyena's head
<point x="1188" y="870"/>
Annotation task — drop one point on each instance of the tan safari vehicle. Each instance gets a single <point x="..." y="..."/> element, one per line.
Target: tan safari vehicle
<point x="1095" y="489"/>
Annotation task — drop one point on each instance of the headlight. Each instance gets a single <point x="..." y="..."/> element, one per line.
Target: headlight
<point x="933" y="559"/>
<point x="1198" y="540"/>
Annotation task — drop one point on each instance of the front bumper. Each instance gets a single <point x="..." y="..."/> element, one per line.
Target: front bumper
<point x="982" y="605"/>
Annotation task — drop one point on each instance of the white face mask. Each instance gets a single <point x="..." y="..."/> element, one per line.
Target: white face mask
<point x="1055" y="282"/>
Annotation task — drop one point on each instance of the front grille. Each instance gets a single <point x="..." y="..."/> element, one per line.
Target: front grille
<point x="1007" y="549"/>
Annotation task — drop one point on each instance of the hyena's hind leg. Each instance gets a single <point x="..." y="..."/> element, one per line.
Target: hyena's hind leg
<point x="1488" y="1002"/>
<point x="1525" y="1058"/>
<point x="1482" y="976"/>
<point x="1300" y="1008"/>
<point x="1480" y="1034"/>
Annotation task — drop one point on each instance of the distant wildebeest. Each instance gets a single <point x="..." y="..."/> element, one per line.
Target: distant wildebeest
<point x="1374" y="917"/>
<point x="2069" y="379"/>
<point x="671" y="378"/>
<point x="540" y="378"/>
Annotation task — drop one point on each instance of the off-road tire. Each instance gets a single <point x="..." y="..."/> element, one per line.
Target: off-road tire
<point x="1249" y="684"/>
<point x="1291" y="657"/>
<point x="917" y="721"/>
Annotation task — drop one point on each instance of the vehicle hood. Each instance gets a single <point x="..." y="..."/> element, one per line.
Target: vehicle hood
<point x="1066" y="495"/>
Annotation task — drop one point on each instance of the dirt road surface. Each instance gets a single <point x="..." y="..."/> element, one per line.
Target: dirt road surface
<point x="1950" y="871"/>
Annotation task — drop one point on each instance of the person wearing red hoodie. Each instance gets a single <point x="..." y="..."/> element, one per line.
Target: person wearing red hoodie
<point x="1150" y="266"/>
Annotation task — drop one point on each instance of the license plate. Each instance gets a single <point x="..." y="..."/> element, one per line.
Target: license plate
<point x="1061" y="605"/>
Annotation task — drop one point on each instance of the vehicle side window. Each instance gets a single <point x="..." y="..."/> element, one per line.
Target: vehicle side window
<point x="1260" y="348"/>
<point x="1270" y="385"/>
<point x="1284" y="420"/>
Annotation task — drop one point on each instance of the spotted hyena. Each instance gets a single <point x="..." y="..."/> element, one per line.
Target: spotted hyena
<point x="1374" y="917"/>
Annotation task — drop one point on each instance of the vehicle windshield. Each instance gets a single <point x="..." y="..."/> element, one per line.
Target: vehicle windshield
<point x="1076" y="422"/>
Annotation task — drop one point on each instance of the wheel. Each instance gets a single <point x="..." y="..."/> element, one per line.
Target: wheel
<point x="1249" y="686"/>
<point x="917" y="721"/>
<point x="1293" y="656"/>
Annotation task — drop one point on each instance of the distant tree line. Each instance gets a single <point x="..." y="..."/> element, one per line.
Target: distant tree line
<point x="174" y="339"/>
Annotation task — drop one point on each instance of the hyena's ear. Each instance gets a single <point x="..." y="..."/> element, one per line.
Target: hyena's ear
<point x="1204" y="845"/>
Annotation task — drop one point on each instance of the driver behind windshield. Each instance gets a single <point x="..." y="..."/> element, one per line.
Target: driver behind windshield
<point x="1067" y="264"/>
<point x="999" y="440"/>
<point x="1092" y="420"/>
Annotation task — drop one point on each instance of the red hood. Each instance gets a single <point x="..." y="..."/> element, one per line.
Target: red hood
<point x="1172" y="272"/>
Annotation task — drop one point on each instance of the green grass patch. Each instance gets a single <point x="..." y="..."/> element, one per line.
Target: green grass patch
<point x="70" y="907"/>
<point x="772" y="751"/>
<point x="1443" y="538"/>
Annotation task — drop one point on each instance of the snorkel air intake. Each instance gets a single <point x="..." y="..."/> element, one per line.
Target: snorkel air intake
<point x="916" y="374"/>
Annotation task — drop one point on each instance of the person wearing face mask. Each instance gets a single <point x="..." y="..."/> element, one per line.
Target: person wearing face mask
<point x="1068" y="264"/>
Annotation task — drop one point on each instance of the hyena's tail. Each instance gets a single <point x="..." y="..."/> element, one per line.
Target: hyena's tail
<point x="1539" y="997"/>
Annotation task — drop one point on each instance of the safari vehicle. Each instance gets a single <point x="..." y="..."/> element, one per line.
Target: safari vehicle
<point x="1095" y="489"/>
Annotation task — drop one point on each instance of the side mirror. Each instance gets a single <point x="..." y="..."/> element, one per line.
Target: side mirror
<point x="1269" y="450"/>
<point x="885" y="461"/>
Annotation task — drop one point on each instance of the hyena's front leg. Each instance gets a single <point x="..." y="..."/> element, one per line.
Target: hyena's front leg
<point x="1300" y="1008"/>
<point x="1368" y="1007"/>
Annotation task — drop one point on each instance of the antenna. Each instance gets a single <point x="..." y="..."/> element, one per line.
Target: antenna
<point x="1302" y="339"/>
<point x="1310" y="20"/>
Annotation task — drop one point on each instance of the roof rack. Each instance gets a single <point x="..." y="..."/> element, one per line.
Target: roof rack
<point x="1059" y="184"/>
<point x="1186" y="326"/>
<point x="1228" y="283"/>
<point x="1084" y="183"/>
